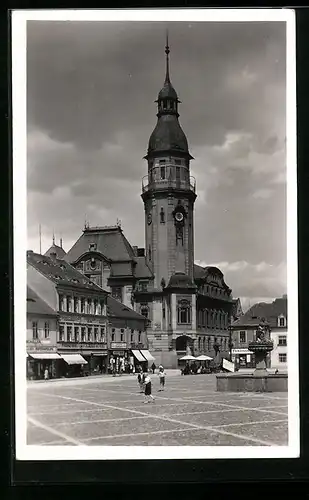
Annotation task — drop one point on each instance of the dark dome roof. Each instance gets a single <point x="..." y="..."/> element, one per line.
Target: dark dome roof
<point x="168" y="135"/>
<point x="167" y="91"/>
<point x="180" y="280"/>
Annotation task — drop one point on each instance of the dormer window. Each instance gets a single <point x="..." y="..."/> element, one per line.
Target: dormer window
<point x="92" y="247"/>
<point x="281" y="321"/>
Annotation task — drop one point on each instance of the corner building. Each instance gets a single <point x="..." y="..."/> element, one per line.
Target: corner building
<point x="186" y="305"/>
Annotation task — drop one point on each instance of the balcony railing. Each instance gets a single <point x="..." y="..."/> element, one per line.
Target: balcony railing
<point x="148" y="184"/>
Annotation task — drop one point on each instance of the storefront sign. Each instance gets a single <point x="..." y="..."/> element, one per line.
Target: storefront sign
<point x="241" y="351"/>
<point x="118" y="353"/>
<point x="82" y="345"/>
<point x="41" y="348"/>
<point x="118" y="345"/>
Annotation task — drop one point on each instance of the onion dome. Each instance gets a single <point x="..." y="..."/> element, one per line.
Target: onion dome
<point x="168" y="135"/>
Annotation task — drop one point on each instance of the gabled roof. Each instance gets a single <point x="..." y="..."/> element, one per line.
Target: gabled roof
<point x="36" y="305"/>
<point x="109" y="241"/>
<point x="60" y="253"/>
<point x="269" y="311"/>
<point x="60" y="272"/>
<point x="119" y="310"/>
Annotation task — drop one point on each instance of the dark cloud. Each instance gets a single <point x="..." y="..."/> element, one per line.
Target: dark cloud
<point x="90" y="111"/>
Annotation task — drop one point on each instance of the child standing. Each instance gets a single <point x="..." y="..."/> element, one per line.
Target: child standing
<point x="162" y="375"/>
<point x="148" y="396"/>
<point x="140" y="379"/>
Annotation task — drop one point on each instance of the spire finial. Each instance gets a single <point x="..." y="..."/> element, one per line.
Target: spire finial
<point x="53" y="237"/>
<point x="167" y="51"/>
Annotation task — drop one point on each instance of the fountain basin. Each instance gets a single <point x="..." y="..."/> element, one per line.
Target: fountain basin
<point x="254" y="382"/>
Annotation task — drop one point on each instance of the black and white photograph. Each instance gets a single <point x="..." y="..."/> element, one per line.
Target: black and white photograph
<point x="155" y="234"/>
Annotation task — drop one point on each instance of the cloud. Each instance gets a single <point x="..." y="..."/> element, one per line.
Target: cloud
<point x="253" y="281"/>
<point x="90" y="112"/>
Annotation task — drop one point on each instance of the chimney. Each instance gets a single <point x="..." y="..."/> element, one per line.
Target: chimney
<point x="141" y="252"/>
<point x="60" y="242"/>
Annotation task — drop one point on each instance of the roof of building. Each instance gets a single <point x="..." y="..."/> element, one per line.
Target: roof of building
<point x="269" y="311"/>
<point x="180" y="280"/>
<point x="61" y="272"/>
<point x="168" y="136"/>
<point x="109" y="241"/>
<point x="55" y="249"/>
<point x="210" y="274"/>
<point x="141" y="269"/>
<point x="115" y="308"/>
<point x="36" y="305"/>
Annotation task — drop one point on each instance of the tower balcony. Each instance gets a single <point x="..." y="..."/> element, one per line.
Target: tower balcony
<point x="163" y="184"/>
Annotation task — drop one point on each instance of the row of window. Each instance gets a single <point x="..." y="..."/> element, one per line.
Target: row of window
<point x="70" y="333"/>
<point x="212" y="319"/>
<point x="170" y="173"/>
<point x="35" y="331"/>
<point x="206" y="343"/>
<point x="213" y="290"/>
<point x="81" y="305"/>
<point x="282" y="339"/>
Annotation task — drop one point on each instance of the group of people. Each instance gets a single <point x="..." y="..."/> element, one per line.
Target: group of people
<point x="144" y="381"/>
<point x="194" y="369"/>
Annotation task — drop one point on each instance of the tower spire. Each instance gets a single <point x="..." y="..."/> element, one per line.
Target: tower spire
<point x="167" y="51"/>
<point x="53" y="237"/>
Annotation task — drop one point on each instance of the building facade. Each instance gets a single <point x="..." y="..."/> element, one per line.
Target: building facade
<point x="244" y="329"/>
<point x="90" y="326"/>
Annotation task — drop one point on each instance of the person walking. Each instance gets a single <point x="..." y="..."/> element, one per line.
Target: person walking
<point x="162" y="376"/>
<point x="148" y="396"/>
<point x="153" y="367"/>
<point x="46" y="375"/>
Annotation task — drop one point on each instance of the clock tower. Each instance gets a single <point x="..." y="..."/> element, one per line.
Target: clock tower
<point x="168" y="192"/>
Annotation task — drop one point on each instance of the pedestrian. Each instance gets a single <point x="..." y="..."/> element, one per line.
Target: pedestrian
<point x="153" y="367"/>
<point x="162" y="376"/>
<point x="140" y="380"/>
<point x="46" y="374"/>
<point x="148" y="396"/>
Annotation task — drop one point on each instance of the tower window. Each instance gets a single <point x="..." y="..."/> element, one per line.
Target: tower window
<point x="162" y="173"/>
<point x="177" y="173"/>
<point x="161" y="161"/>
<point x="178" y="162"/>
<point x="162" y="216"/>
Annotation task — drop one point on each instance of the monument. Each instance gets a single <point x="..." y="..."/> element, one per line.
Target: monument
<point x="261" y="380"/>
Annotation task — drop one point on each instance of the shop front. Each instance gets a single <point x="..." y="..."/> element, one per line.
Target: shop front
<point x="118" y="358"/>
<point x="243" y="358"/>
<point x="142" y="358"/>
<point x="73" y="365"/>
<point x="40" y="361"/>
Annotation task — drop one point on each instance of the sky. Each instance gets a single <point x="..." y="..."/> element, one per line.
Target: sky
<point x="91" y="88"/>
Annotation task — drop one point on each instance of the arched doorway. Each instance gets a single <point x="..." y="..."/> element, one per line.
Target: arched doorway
<point x="182" y="343"/>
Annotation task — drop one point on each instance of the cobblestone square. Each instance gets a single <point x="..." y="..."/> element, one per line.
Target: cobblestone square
<point x="111" y="411"/>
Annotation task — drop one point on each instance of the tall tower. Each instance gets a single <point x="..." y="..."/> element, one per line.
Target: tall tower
<point x="168" y="192"/>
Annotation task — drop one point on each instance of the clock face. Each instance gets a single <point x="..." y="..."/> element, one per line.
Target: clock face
<point x="149" y="219"/>
<point x="179" y="216"/>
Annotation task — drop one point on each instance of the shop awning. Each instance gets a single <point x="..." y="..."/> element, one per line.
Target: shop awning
<point x="138" y="355"/>
<point x="147" y="355"/>
<point x="74" y="359"/>
<point x="44" y="355"/>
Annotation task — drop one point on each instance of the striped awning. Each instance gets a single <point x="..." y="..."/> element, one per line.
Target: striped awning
<point x="147" y="355"/>
<point x="138" y="355"/>
<point x="74" y="359"/>
<point x="44" y="355"/>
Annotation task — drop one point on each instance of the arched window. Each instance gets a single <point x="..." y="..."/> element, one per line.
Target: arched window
<point x="183" y="312"/>
<point x="208" y="343"/>
<point x="204" y="344"/>
<point x="199" y="343"/>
